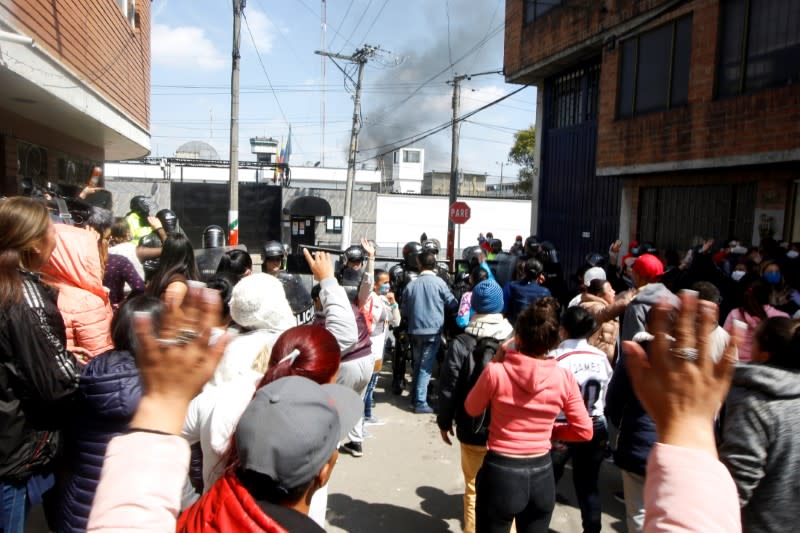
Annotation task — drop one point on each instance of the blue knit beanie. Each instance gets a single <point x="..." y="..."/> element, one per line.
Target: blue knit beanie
<point x="487" y="297"/>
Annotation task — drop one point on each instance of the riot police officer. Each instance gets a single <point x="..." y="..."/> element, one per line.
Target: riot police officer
<point x="213" y="248"/>
<point x="138" y="218"/>
<point x="432" y="245"/>
<point x="149" y="249"/>
<point x="274" y="258"/>
<point x="400" y="275"/>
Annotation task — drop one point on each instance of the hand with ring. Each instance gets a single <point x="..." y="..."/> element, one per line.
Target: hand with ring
<point x="677" y="381"/>
<point x="178" y="360"/>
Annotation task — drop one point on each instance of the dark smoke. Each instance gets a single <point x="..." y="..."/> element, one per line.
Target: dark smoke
<point x="384" y="122"/>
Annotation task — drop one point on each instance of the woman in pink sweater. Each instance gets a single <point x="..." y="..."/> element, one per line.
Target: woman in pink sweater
<point x="525" y="391"/>
<point x="755" y="309"/>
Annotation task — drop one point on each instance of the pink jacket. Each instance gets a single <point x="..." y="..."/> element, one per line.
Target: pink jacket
<point x="746" y="348"/>
<point x="525" y="395"/>
<point x="140" y="486"/>
<point x="74" y="269"/>
<point x="688" y="490"/>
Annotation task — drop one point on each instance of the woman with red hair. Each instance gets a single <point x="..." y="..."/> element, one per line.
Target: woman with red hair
<point x="309" y="351"/>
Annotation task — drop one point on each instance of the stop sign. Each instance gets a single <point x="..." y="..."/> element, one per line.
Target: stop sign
<point x="459" y="212"/>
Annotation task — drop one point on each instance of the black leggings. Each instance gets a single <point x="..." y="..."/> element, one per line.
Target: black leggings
<point x="520" y="489"/>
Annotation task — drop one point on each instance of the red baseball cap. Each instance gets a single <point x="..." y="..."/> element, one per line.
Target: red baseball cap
<point x="648" y="267"/>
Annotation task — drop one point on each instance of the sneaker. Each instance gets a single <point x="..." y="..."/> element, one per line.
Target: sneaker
<point x="352" y="448"/>
<point x="372" y="421"/>
<point x="423" y="409"/>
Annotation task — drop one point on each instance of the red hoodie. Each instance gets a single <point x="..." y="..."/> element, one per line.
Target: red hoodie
<point x="227" y="506"/>
<point x="525" y="395"/>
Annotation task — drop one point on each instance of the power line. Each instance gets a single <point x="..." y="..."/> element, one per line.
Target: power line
<point x="364" y="39"/>
<point x="363" y="13"/>
<point x="264" y="68"/>
<point x="432" y="131"/>
<point x="341" y="22"/>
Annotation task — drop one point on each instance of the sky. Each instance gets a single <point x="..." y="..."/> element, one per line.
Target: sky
<point x="423" y="44"/>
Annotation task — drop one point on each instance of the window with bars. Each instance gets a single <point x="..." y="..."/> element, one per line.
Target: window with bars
<point x="654" y="69"/>
<point x="574" y="97"/>
<point x="536" y="8"/>
<point x="759" y="45"/>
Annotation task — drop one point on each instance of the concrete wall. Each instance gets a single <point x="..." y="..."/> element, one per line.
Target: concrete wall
<point x="95" y="41"/>
<point x="364" y="213"/>
<point x="125" y="189"/>
<point x="404" y="218"/>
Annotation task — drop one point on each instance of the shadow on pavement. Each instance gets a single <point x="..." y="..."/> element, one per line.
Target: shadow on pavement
<point x="357" y="516"/>
<point x="437" y="502"/>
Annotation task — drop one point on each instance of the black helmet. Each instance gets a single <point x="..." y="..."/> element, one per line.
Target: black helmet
<point x="594" y="259"/>
<point x="354" y="253"/>
<point x="213" y="237"/>
<point x="168" y="219"/>
<point x="272" y="250"/>
<point x="496" y="245"/>
<point x="143" y="205"/>
<point x="470" y="252"/>
<point x="431" y="245"/>
<point x="410" y="252"/>
<point x="532" y="246"/>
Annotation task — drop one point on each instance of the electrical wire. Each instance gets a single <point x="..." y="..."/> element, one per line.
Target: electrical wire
<point x="264" y="68"/>
<point x="364" y="39"/>
<point x="436" y="129"/>
<point x="361" y="18"/>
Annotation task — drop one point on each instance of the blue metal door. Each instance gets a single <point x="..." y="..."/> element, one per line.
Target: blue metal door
<point x="578" y="210"/>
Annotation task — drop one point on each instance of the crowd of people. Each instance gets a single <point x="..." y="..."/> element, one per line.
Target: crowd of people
<point x="139" y="387"/>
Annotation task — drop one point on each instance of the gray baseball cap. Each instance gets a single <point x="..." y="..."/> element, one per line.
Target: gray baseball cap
<point x="292" y="426"/>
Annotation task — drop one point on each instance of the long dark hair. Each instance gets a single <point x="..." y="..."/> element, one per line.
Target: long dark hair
<point x="177" y="258"/>
<point x="754" y="299"/>
<point x="23" y="224"/>
<point x="236" y="262"/>
<point x="122" y="327"/>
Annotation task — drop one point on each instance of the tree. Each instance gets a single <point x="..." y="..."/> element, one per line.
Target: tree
<point x="522" y="154"/>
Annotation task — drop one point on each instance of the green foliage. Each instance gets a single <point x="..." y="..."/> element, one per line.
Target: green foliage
<point x="522" y="154"/>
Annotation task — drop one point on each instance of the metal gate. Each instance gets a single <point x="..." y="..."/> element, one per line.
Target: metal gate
<point x="199" y="205"/>
<point x="579" y="211"/>
<point x="721" y="212"/>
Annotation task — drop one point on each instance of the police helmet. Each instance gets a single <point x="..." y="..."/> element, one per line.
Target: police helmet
<point x="532" y="246"/>
<point x="410" y="252"/>
<point x="594" y="259"/>
<point x="143" y="205"/>
<point x="431" y="245"/>
<point x="471" y="252"/>
<point x="168" y="219"/>
<point x="496" y="245"/>
<point x="354" y="253"/>
<point x="213" y="237"/>
<point x="272" y="250"/>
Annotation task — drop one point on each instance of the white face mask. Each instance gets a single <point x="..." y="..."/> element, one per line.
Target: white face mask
<point x="792" y="254"/>
<point x="737" y="275"/>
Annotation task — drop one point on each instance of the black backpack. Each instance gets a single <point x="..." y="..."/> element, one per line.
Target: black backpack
<point x="482" y="351"/>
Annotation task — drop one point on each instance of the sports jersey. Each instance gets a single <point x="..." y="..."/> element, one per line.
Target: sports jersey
<point x="591" y="369"/>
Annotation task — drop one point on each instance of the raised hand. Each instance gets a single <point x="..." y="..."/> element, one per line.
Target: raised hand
<point x="679" y="384"/>
<point x="319" y="263"/>
<point x="367" y="246"/>
<point x="176" y="361"/>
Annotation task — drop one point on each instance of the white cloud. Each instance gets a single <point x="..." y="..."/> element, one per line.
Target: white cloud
<point x="185" y="47"/>
<point x="263" y="31"/>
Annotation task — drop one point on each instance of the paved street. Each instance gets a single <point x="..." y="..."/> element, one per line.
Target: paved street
<point x="410" y="481"/>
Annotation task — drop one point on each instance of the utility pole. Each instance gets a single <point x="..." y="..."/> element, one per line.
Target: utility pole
<point x="501" y="163"/>
<point x="451" y="227"/>
<point x="324" y="15"/>
<point x="360" y="57"/>
<point x="233" y="211"/>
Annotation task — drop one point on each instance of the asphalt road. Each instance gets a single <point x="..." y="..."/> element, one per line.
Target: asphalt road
<point x="409" y="480"/>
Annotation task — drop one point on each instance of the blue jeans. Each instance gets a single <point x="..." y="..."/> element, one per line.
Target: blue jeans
<point x="368" y="395"/>
<point x="425" y="348"/>
<point x="15" y="507"/>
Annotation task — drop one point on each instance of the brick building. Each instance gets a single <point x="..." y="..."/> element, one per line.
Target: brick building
<point x="74" y="87"/>
<point x="661" y="120"/>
